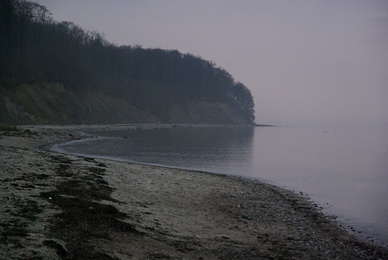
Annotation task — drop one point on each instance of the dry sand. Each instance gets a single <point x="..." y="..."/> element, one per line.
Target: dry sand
<point x="55" y="206"/>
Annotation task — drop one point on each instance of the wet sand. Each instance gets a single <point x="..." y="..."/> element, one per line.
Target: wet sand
<point x="56" y="206"/>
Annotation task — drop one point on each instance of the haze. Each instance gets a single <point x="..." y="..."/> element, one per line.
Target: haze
<point x="305" y="62"/>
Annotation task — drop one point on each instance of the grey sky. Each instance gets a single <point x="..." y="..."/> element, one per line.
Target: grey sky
<point x="304" y="61"/>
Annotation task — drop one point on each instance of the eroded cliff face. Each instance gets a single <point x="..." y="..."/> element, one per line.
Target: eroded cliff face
<point x="53" y="103"/>
<point x="206" y="113"/>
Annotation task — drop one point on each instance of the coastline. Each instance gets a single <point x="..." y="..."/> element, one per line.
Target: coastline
<point x="59" y="206"/>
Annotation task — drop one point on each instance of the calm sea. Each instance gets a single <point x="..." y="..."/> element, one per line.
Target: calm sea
<point x="344" y="170"/>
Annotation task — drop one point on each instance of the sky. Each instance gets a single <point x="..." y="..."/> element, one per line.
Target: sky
<point x="306" y="62"/>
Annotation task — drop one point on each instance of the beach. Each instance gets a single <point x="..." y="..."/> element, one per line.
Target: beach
<point x="59" y="206"/>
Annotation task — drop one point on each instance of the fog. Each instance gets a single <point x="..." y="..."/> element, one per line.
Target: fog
<point x="305" y="62"/>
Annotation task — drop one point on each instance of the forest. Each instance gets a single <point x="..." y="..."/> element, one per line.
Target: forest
<point x="36" y="48"/>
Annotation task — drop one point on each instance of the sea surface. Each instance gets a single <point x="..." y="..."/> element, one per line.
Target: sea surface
<point x="344" y="170"/>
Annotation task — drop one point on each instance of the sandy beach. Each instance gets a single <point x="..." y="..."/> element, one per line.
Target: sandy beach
<point x="56" y="206"/>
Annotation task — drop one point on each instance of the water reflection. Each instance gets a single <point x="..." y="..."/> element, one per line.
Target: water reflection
<point x="191" y="147"/>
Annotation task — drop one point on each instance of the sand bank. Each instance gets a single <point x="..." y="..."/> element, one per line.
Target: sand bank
<point x="56" y="206"/>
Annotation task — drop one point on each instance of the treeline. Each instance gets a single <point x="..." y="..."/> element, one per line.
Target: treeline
<point x="34" y="47"/>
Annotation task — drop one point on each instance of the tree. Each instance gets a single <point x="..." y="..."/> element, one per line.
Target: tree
<point x="34" y="47"/>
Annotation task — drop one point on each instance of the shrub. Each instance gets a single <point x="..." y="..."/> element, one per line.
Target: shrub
<point x="7" y="128"/>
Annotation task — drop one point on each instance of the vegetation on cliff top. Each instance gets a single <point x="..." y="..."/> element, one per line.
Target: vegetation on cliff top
<point x="35" y="48"/>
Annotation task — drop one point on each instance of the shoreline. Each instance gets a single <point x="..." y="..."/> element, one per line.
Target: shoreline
<point x="71" y="207"/>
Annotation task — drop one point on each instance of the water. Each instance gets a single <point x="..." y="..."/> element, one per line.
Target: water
<point x="344" y="170"/>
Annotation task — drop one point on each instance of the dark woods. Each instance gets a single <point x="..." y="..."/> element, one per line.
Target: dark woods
<point x="35" y="48"/>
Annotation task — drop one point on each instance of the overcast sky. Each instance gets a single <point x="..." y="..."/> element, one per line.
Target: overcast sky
<point x="305" y="62"/>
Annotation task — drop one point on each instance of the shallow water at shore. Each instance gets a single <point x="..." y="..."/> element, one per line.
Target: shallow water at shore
<point x="344" y="170"/>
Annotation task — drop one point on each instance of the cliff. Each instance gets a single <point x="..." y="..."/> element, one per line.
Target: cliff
<point x="55" y="103"/>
